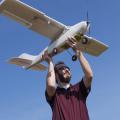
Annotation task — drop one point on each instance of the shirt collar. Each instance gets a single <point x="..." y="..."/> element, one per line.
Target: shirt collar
<point x="65" y="86"/>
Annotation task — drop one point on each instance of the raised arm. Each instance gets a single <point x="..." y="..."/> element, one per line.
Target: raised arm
<point x="83" y="61"/>
<point x="86" y="69"/>
<point x="50" y="80"/>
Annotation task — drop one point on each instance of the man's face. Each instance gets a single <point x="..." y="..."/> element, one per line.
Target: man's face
<point x="66" y="74"/>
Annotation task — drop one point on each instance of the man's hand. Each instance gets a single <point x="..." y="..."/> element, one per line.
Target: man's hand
<point x="46" y="57"/>
<point x="71" y="42"/>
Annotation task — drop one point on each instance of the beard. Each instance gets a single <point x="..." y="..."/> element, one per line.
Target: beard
<point x="64" y="79"/>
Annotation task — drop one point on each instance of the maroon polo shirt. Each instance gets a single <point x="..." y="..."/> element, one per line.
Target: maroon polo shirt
<point x="69" y="104"/>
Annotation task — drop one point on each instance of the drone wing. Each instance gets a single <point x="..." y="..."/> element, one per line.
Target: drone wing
<point x="32" y="18"/>
<point x="90" y="45"/>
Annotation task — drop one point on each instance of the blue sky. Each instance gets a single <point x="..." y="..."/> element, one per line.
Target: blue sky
<point x="22" y="92"/>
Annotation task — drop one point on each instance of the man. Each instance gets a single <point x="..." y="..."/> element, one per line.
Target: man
<point x="68" y="102"/>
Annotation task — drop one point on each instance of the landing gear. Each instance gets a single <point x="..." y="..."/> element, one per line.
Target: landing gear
<point x="84" y="41"/>
<point x="74" y="58"/>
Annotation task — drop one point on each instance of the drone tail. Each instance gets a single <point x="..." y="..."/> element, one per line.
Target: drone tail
<point x="25" y="60"/>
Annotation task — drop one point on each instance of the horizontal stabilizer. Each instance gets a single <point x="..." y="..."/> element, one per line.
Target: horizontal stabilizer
<point x="20" y="61"/>
<point x="25" y="60"/>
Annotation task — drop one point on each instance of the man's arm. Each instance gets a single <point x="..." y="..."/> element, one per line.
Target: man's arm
<point x="86" y="69"/>
<point x="50" y="80"/>
<point x="84" y="63"/>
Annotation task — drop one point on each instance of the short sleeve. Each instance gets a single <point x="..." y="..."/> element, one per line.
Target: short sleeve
<point x="49" y="100"/>
<point x="83" y="90"/>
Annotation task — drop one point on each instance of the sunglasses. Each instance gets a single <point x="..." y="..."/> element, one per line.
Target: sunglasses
<point x="64" y="68"/>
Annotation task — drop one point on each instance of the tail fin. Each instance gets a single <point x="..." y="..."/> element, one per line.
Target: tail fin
<point x="25" y="60"/>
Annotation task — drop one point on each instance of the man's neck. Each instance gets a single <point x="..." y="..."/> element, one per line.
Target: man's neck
<point x="64" y="85"/>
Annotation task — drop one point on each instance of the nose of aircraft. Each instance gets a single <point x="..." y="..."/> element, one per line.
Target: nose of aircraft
<point x="84" y="26"/>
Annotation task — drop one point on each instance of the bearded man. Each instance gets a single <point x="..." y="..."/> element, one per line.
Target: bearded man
<point x="68" y="102"/>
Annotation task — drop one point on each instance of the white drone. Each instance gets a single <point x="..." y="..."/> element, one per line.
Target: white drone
<point x="57" y="32"/>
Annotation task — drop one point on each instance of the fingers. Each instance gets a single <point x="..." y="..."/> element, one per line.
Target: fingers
<point x="46" y="56"/>
<point x="71" y="42"/>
